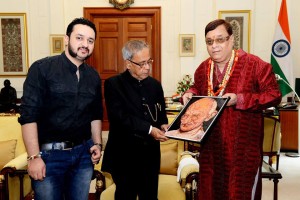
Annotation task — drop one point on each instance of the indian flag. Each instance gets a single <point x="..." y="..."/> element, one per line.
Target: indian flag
<point x="281" y="58"/>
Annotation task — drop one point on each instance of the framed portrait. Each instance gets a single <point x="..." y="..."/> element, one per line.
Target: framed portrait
<point x="57" y="44"/>
<point x="196" y="118"/>
<point x="187" y="45"/>
<point x="13" y="44"/>
<point x="241" y="23"/>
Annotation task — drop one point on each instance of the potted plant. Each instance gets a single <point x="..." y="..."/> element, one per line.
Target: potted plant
<point x="183" y="85"/>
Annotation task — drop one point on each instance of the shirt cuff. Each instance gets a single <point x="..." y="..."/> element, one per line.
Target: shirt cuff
<point x="150" y="129"/>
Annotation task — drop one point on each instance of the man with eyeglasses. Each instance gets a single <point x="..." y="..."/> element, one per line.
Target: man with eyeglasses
<point x="137" y="122"/>
<point x="231" y="157"/>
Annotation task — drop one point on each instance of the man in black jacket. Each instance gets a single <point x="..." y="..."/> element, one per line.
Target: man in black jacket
<point x="136" y="112"/>
<point x="61" y="118"/>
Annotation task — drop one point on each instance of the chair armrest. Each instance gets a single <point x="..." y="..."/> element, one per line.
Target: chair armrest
<point x="100" y="183"/>
<point x="191" y="186"/>
<point x="187" y="166"/>
<point x="103" y="179"/>
<point x="108" y="179"/>
<point x="190" y="173"/>
<point x="15" y="167"/>
<point x="20" y="162"/>
<point x="186" y="172"/>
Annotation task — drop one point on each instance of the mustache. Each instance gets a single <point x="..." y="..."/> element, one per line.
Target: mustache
<point x="84" y="48"/>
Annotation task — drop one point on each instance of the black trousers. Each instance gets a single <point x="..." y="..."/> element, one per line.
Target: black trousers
<point x="141" y="181"/>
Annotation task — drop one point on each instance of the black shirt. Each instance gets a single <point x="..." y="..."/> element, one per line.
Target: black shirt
<point x="62" y="106"/>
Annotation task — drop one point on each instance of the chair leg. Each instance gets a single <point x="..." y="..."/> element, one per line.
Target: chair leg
<point x="21" y="178"/>
<point x="2" y="190"/>
<point x="275" y="197"/>
<point x="277" y="161"/>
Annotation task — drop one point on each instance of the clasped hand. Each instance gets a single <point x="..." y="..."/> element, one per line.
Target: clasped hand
<point x="159" y="134"/>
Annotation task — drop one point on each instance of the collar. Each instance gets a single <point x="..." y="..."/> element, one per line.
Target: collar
<point x="71" y="65"/>
<point x="132" y="79"/>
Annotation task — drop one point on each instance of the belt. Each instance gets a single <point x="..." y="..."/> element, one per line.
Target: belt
<point x="58" y="146"/>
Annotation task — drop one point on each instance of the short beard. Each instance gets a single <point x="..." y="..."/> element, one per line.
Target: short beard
<point x="74" y="54"/>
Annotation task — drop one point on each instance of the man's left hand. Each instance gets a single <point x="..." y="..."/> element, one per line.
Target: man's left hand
<point x="233" y="98"/>
<point x="158" y="134"/>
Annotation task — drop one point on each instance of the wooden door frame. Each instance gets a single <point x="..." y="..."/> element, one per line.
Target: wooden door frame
<point x="153" y="12"/>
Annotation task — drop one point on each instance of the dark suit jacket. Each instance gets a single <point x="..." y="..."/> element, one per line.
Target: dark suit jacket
<point x="129" y="143"/>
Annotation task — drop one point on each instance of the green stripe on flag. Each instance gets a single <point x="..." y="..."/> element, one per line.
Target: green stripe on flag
<point x="284" y="88"/>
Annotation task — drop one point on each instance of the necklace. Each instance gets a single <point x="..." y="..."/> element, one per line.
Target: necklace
<point x="154" y="119"/>
<point x="219" y="75"/>
<point x="210" y="72"/>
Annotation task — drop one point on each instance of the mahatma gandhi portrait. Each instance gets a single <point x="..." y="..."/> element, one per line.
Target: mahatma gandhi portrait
<point x="191" y="122"/>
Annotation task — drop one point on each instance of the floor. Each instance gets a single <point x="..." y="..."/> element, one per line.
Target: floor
<point x="289" y="185"/>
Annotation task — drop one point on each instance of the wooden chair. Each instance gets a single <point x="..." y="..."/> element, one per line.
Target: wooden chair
<point x="270" y="173"/>
<point x="14" y="181"/>
<point x="272" y="139"/>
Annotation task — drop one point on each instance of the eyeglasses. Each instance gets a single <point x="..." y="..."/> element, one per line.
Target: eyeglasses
<point x="143" y="64"/>
<point x="219" y="40"/>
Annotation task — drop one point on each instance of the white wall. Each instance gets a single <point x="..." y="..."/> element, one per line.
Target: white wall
<point x="46" y="17"/>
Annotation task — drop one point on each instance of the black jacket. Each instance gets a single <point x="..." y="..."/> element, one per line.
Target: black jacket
<point x="127" y="102"/>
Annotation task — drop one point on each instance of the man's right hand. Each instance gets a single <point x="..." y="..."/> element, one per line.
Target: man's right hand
<point x="158" y="134"/>
<point x="186" y="97"/>
<point x="37" y="169"/>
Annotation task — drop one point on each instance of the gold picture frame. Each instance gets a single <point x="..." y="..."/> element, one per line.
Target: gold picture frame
<point x="13" y="44"/>
<point x="187" y="45"/>
<point x="241" y="22"/>
<point x="57" y="44"/>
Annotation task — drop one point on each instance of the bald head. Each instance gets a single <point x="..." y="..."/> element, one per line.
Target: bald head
<point x="198" y="112"/>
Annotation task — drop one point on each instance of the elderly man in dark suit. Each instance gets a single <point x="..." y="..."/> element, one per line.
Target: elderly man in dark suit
<point x="136" y="112"/>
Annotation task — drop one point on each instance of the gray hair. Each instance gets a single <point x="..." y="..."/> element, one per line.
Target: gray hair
<point x="132" y="47"/>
